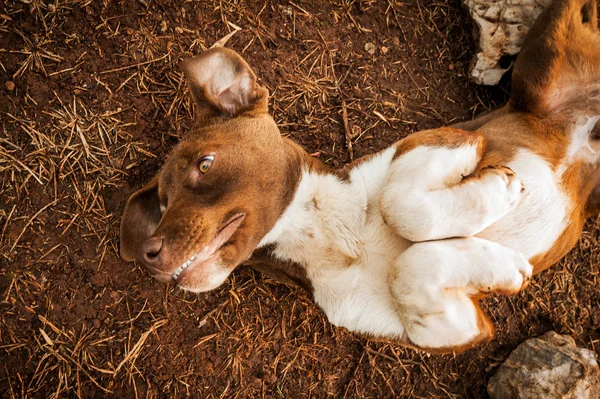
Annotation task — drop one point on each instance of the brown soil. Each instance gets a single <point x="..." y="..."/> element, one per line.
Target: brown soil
<point x="91" y="100"/>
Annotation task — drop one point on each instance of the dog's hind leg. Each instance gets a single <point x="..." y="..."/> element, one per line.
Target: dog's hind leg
<point x="558" y="69"/>
<point x="436" y="287"/>
<point x="435" y="189"/>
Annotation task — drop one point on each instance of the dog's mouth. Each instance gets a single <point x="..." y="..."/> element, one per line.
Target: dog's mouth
<point x="210" y="251"/>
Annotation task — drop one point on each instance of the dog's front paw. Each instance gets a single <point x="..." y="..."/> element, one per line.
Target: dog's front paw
<point x="514" y="186"/>
<point x="460" y="326"/>
<point x="504" y="190"/>
<point x="510" y="277"/>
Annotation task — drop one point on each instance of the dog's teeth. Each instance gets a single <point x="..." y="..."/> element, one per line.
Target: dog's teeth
<point x="184" y="266"/>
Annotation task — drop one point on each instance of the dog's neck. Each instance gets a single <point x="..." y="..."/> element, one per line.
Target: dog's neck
<point x="322" y="226"/>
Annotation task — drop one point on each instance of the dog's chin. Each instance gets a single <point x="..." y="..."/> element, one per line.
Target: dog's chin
<point x="206" y="276"/>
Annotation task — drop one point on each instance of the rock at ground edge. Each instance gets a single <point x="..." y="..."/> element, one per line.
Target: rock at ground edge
<point x="549" y="367"/>
<point x="500" y="28"/>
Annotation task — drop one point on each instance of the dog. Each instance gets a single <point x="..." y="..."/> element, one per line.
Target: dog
<point x="400" y="245"/>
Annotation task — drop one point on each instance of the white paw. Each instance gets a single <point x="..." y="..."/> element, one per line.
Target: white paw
<point x="510" y="277"/>
<point x="459" y="324"/>
<point x="507" y="186"/>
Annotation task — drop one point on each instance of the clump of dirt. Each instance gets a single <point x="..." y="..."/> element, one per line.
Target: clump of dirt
<point x="91" y="100"/>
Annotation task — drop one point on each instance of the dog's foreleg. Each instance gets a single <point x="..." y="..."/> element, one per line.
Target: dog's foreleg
<point x="436" y="287"/>
<point x="432" y="193"/>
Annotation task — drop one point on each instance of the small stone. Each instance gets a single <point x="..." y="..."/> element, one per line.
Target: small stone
<point x="163" y="26"/>
<point x="451" y="67"/>
<point x="370" y="48"/>
<point x="51" y="8"/>
<point x="396" y="41"/>
<point x="10" y="85"/>
<point x="179" y="30"/>
<point x="384" y="50"/>
<point x="115" y="295"/>
<point x="549" y="367"/>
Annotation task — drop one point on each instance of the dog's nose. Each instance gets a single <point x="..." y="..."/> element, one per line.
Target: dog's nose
<point x="151" y="251"/>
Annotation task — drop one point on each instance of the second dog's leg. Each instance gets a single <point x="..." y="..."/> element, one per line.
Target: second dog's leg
<point x="436" y="286"/>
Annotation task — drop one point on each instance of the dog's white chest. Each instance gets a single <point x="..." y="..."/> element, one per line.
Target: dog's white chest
<point x="335" y="230"/>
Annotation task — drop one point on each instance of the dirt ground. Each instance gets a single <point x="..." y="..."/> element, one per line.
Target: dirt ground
<point x="91" y="100"/>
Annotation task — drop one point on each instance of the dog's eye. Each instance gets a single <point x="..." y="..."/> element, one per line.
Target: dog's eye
<point x="205" y="164"/>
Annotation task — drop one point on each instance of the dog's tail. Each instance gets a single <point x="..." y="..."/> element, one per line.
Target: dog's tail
<point x="558" y="69"/>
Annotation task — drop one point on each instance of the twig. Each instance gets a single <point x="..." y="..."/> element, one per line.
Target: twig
<point x="222" y="41"/>
<point x="347" y="131"/>
<point x="134" y="65"/>
<point x="135" y="351"/>
<point x="349" y="382"/>
<point x="383" y="355"/>
<point x="30" y="221"/>
<point x="339" y="83"/>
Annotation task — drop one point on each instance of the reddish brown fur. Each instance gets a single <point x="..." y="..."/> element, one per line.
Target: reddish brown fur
<point x="448" y="137"/>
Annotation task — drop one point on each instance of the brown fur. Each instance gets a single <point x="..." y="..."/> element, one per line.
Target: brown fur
<point x="557" y="70"/>
<point x="448" y="137"/>
<point x="266" y="171"/>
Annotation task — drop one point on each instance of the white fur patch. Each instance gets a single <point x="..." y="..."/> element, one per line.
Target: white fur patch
<point x="542" y="214"/>
<point x="345" y="246"/>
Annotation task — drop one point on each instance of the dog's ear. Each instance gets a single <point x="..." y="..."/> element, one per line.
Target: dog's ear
<point x="558" y="69"/>
<point x="140" y="218"/>
<point x="223" y="84"/>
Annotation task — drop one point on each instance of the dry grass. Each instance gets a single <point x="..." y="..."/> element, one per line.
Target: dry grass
<point x="91" y="100"/>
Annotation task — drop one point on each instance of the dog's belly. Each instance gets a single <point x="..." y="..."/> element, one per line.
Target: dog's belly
<point x="542" y="214"/>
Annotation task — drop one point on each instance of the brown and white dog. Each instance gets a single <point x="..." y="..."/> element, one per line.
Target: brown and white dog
<point x="374" y="242"/>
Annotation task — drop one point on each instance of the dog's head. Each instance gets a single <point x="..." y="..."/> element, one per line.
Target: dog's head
<point x="222" y="187"/>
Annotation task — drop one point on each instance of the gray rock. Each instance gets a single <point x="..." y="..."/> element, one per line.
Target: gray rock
<point x="548" y="367"/>
<point x="500" y="28"/>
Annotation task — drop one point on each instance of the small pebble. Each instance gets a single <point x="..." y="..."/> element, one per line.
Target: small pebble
<point x="10" y="85"/>
<point x="384" y="50"/>
<point x="51" y="8"/>
<point x="370" y="48"/>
